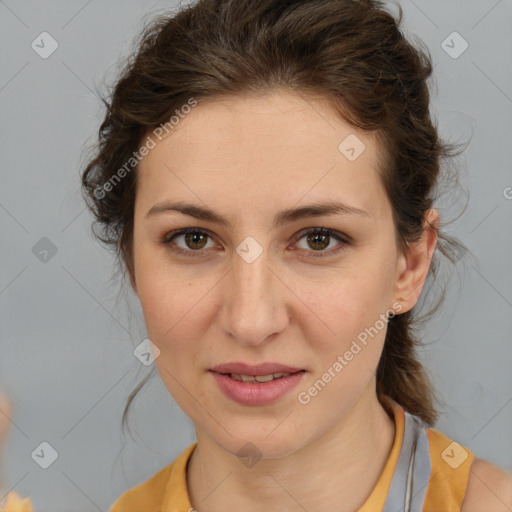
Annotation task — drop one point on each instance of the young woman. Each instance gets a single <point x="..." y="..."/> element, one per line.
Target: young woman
<point x="266" y="172"/>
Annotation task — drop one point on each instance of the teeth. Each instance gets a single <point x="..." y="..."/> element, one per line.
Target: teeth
<point x="259" y="378"/>
<point x="264" y="378"/>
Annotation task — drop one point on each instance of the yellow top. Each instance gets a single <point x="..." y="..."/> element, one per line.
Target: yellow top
<point x="14" y="503"/>
<point x="166" y="491"/>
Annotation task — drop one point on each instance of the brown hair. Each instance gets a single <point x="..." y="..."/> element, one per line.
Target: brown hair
<point x="351" y="52"/>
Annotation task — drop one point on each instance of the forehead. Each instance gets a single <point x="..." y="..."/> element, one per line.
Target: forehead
<point x="260" y="149"/>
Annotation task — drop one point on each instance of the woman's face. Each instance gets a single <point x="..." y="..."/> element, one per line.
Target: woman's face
<point x="258" y="288"/>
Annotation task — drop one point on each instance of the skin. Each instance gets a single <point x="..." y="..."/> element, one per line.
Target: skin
<point x="248" y="158"/>
<point x="489" y="488"/>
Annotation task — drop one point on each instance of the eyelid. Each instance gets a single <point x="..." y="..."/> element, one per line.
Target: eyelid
<point x="342" y="237"/>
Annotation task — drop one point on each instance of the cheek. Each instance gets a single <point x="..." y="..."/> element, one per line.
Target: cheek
<point x="159" y="291"/>
<point x="174" y="316"/>
<point x="342" y="319"/>
<point x="177" y="309"/>
<point x="167" y="309"/>
<point x="344" y="305"/>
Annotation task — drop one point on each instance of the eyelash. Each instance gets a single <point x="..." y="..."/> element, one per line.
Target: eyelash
<point x="167" y="240"/>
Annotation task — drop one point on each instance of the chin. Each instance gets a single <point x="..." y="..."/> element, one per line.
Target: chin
<point x="251" y="447"/>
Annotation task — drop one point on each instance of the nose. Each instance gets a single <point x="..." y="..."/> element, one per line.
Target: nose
<point x="255" y="306"/>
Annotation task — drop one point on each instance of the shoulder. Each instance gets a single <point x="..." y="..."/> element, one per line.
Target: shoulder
<point x="169" y="485"/>
<point x="147" y="494"/>
<point x="489" y="488"/>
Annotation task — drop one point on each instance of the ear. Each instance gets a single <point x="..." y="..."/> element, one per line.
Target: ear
<point x="414" y="264"/>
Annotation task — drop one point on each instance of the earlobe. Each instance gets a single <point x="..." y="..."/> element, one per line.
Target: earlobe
<point x="415" y="263"/>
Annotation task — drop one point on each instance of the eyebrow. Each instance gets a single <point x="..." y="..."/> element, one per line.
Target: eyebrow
<point x="283" y="217"/>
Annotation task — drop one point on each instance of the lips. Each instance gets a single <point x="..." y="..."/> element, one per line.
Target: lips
<point x="248" y="391"/>
<point x="256" y="385"/>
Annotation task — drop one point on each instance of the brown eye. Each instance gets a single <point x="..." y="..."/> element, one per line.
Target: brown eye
<point x="194" y="241"/>
<point x="319" y="239"/>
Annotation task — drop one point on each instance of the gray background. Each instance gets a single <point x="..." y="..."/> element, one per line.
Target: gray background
<point x="68" y="333"/>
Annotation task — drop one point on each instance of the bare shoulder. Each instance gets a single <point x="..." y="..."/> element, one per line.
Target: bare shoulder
<point x="489" y="488"/>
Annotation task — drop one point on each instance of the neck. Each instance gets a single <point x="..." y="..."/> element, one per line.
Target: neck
<point x="337" y="471"/>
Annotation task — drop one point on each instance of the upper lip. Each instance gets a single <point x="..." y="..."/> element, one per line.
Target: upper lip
<point x="255" y="370"/>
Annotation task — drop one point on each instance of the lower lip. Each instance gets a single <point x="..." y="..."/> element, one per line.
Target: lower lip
<point x="254" y="393"/>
